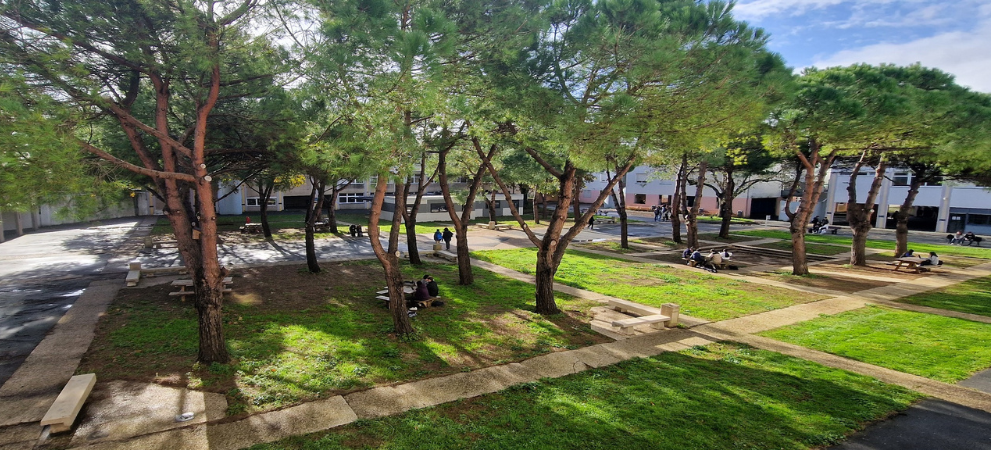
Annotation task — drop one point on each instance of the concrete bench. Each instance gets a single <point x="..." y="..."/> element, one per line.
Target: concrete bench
<point x="133" y="276"/>
<point x="63" y="412"/>
<point x="669" y="312"/>
<point x="632" y="307"/>
<point x="634" y="321"/>
<point x="447" y="255"/>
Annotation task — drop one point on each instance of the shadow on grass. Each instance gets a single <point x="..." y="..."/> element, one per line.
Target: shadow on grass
<point x="716" y="397"/>
<point x="298" y="336"/>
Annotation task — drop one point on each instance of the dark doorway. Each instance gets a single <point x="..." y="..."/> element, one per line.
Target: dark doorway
<point x="296" y="202"/>
<point x="760" y="208"/>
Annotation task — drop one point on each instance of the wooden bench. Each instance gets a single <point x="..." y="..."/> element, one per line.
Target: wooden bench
<point x="63" y="412"/>
<point x="500" y="227"/>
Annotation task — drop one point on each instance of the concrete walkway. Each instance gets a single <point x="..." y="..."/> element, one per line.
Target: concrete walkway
<point x="206" y="433"/>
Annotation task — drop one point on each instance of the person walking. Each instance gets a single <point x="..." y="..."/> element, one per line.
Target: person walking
<point x="447" y="235"/>
<point x="657" y="213"/>
<point x="591" y="223"/>
<point x="438" y="236"/>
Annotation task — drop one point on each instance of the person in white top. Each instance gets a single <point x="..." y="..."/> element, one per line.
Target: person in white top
<point x="932" y="260"/>
<point x="714" y="258"/>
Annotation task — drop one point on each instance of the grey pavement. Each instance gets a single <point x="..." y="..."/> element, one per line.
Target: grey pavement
<point x="43" y="273"/>
<point x="928" y="425"/>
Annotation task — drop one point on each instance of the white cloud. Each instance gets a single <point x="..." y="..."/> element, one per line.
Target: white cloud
<point x="961" y="53"/>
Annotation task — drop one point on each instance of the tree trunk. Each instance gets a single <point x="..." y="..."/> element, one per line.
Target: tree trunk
<point x="859" y="214"/>
<point x="490" y="203"/>
<point x="536" y="212"/>
<point x="311" y="218"/>
<point x="901" y="223"/>
<point x="691" y="221"/>
<point x="18" y="224"/>
<point x="544" y="276"/>
<point x="211" y="327"/>
<point x="810" y="197"/>
<point x="263" y="209"/>
<point x="332" y="215"/>
<point x="620" y="200"/>
<point x="726" y="208"/>
<point x="799" y="258"/>
<point x="465" y="275"/>
<point x="676" y="200"/>
<point x="388" y="259"/>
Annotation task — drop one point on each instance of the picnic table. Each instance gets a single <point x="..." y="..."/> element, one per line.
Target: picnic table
<point x="188" y="283"/>
<point x="251" y="228"/>
<point x="912" y="263"/>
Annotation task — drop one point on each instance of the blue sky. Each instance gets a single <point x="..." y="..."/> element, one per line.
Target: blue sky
<point x="954" y="36"/>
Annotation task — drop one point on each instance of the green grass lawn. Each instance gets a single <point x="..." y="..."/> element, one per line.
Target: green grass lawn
<point x="699" y="293"/>
<point x="937" y="347"/>
<point x="733" y="238"/>
<point x="667" y="242"/>
<point x="940" y="249"/>
<point x="972" y="297"/>
<point x="810" y="247"/>
<point x="610" y="246"/>
<point x="721" y="396"/>
<point x="291" y="344"/>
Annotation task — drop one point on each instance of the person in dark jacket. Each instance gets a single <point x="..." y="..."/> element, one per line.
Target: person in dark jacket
<point x="447" y="235"/>
<point x="432" y="288"/>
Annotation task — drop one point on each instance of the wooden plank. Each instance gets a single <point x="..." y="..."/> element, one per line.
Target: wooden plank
<point x="184" y="293"/>
<point x="66" y="407"/>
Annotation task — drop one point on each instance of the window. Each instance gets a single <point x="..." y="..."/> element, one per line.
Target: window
<point x="900" y="179"/>
<point x="978" y="219"/>
<point x="640" y="199"/>
<point x="641" y="177"/>
<point x="438" y="207"/>
<point x="936" y="182"/>
<point x="254" y="201"/>
<point x="349" y="197"/>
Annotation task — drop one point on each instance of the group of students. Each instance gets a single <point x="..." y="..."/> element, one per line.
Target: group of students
<point x="711" y="262"/>
<point x="932" y="260"/>
<point x="961" y="238"/>
<point x="819" y="226"/>
<point x="426" y="290"/>
<point x="662" y="213"/>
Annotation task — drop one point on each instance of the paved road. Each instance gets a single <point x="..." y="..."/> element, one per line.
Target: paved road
<point x="42" y="274"/>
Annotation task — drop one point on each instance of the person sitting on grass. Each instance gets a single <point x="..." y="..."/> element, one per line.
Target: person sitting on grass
<point x="909" y="254"/>
<point x="726" y="254"/>
<point x="932" y="260"/>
